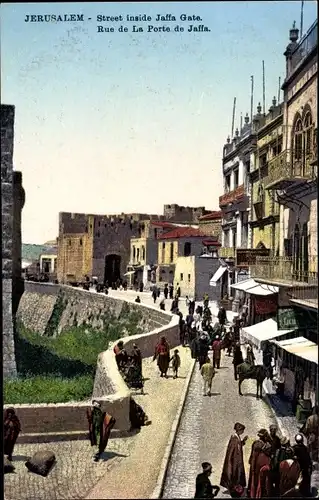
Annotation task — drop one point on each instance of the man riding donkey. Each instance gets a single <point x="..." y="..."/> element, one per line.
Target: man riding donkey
<point x="248" y="370"/>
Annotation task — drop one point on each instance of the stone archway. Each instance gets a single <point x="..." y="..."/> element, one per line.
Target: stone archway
<point x="112" y="268"/>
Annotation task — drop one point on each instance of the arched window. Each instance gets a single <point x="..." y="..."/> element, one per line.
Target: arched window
<point x="297" y="140"/>
<point x="187" y="249"/>
<point x="308" y="133"/>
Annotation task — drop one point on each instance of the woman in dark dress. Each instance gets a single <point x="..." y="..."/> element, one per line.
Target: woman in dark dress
<point x="12" y="428"/>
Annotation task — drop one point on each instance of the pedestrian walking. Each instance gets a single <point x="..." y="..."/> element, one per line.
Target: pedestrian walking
<point x="165" y="291"/>
<point x="303" y="457"/>
<point x="100" y="426"/>
<point x="162" y="356"/>
<point x="138" y="300"/>
<point x="176" y="363"/>
<point x="222" y="316"/>
<point x="311" y="430"/>
<point x="162" y="305"/>
<point x="202" y="350"/>
<point x="204" y="488"/>
<point x="11" y="431"/>
<point x="171" y="292"/>
<point x="217" y="349"/>
<point x="238" y="358"/>
<point x="208" y="373"/>
<point x="178" y="291"/>
<point x="154" y="294"/>
<point x="121" y="356"/>
<point x="233" y="475"/>
<point x="256" y="448"/>
<point x="284" y="453"/>
<point x="261" y="486"/>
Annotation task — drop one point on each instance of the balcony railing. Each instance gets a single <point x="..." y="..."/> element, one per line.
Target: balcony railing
<point x="232" y="196"/>
<point x="284" y="270"/>
<point x="289" y="167"/>
<point x="306" y="45"/>
<point x="227" y="253"/>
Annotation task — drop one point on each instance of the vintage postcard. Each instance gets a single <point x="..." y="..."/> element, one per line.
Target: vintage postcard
<point x="159" y="249"/>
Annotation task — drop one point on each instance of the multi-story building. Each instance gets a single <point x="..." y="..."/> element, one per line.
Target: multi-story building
<point x="238" y="160"/>
<point x="264" y="207"/>
<point x="292" y="175"/>
<point x="144" y="251"/>
<point x="181" y="242"/>
<point x="292" y="179"/>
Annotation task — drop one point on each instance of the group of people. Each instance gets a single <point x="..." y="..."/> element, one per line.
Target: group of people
<point x="277" y="468"/>
<point x="130" y="365"/>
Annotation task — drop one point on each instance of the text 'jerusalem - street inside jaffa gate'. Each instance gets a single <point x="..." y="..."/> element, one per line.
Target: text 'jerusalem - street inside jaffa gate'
<point x="159" y="259"/>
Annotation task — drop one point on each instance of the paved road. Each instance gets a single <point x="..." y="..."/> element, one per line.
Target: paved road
<point x="206" y="425"/>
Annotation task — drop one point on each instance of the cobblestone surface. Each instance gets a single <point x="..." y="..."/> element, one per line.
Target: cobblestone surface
<point x="206" y="426"/>
<point x="137" y="474"/>
<point x="74" y="474"/>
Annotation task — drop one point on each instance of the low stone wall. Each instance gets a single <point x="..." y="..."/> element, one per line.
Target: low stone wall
<point x="79" y="306"/>
<point x="109" y="386"/>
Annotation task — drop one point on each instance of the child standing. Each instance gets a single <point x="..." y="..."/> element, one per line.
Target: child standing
<point x="176" y="363"/>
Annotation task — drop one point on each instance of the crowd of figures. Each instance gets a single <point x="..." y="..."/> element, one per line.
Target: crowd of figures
<point x="276" y="468"/>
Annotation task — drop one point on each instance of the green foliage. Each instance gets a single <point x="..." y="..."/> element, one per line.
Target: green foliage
<point x="62" y="368"/>
<point x="47" y="389"/>
<point x="55" y="318"/>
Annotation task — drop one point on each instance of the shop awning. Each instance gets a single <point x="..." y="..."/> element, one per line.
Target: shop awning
<point x="261" y="332"/>
<point x="254" y="288"/>
<point x="300" y="347"/>
<point x="219" y="273"/>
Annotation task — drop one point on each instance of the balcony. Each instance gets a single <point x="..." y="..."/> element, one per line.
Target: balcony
<point x="227" y="253"/>
<point x="232" y="196"/>
<point x="283" y="172"/>
<point x="282" y="271"/>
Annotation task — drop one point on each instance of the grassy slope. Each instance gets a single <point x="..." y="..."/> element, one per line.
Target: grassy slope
<point x="61" y="369"/>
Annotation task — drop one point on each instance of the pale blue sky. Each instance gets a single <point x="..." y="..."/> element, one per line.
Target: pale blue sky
<point x="125" y="122"/>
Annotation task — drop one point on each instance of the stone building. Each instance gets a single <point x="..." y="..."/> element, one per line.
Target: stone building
<point x="99" y="246"/>
<point x="264" y="213"/>
<point x="292" y="174"/>
<point x="211" y="224"/>
<point x="144" y="252"/>
<point x="12" y="198"/>
<point x="193" y="275"/>
<point x="180" y="242"/>
<point x="292" y="178"/>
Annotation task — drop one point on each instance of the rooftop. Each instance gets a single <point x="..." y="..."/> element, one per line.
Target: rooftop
<point x="183" y="232"/>
<point x="211" y="216"/>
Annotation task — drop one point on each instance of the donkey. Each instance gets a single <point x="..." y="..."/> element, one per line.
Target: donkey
<point x="257" y="372"/>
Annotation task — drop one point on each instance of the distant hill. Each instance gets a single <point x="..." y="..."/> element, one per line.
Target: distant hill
<point x="32" y="252"/>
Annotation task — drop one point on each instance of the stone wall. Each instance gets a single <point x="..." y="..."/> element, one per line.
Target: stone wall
<point x="79" y="306"/>
<point x="7" y="132"/>
<point x="109" y="386"/>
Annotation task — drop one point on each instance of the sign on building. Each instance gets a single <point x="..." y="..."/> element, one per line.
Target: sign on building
<point x="246" y="257"/>
<point x="292" y="318"/>
<point x="265" y="305"/>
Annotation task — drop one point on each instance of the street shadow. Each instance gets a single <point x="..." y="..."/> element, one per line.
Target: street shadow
<point x="172" y="376"/>
<point x="108" y="455"/>
<point x="282" y="408"/>
<point x="215" y="394"/>
<point x="223" y="368"/>
<point x="145" y="379"/>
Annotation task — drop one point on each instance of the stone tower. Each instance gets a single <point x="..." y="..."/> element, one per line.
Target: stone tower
<point x="12" y="197"/>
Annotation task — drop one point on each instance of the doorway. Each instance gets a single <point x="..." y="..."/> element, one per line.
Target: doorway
<point x="112" y="269"/>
